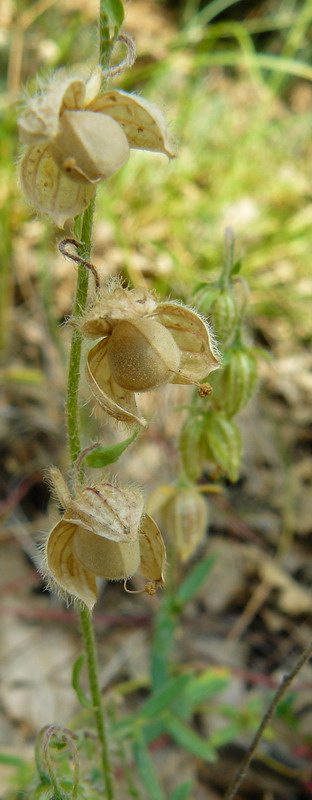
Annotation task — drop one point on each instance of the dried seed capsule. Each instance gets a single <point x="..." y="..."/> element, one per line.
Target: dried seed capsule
<point x="186" y="516"/>
<point x="225" y="314"/>
<point x="49" y="190"/>
<point x="224" y="443"/>
<point x="89" y="149"/>
<point x="238" y="380"/>
<point x="142" y="354"/>
<point x="106" y="558"/>
<point x="102" y="533"/>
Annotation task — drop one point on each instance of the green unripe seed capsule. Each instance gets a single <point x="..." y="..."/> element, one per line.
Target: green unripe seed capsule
<point x="238" y="381"/>
<point x="225" y="314"/>
<point x="191" y="448"/>
<point x="224" y="443"/>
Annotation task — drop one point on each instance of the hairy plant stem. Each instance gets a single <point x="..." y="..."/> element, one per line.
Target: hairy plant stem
<point x="90" y="650"/>
<point x="72" y="406"/>
<point x="74" y="446"/>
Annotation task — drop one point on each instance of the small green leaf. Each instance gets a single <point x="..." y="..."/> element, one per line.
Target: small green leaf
<point x="206" y="685"/>
<point x="225" y="735"/>
<point x="209" y="285"/>
<point x="206" y="299"/>
<point x="12" y="761"/>
<point x="78" y="665"/>
<point x="236" y="268"/>
<point x="163" y="643"/>
<point x="165" y="697"/>
<point x="181" y="792"/>
<point x="146" y="769"/>
<point x="114" y="12"/>
<point x="194" y="580"/>
<point x="188" y="739"/>
<point x="103" y="456"/>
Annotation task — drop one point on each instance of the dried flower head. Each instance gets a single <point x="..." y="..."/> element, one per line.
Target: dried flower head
<point x="102" y="533"/>
<point x="76" y="136"/>
<point x="143" y="345"/>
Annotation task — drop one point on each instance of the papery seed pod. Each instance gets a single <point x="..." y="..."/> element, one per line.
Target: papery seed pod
<point x="142" y="355"/>
<point x="144" y="344"/>
<point x="186" y="519"/>
<point x="238" y="380"/>
<point x="89" y="150"/>
<point x="192" y="448"/>
<point x="225" y="314"/>
<point x="223" y="442"/>
<point x="103" y="533"/>
<point x="74" y="134"/>
<point x="48" y="190"/>
<point x="107" y="559"/>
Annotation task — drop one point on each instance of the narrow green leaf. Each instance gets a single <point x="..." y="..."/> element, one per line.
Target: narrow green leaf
<point x="146" y="769"/>
<point x="188" y="739"/>
<point x="236" y="267"/>
<point x="12" y="761"/>
<point x="181" y="792"/>
<point x="153" y="730"/>
<point x="209" y="285"/>
<point x="78" y="665"/>
<point x="164" y="698"/>
<point x="163" y="643"/>
<point x="113" y="10"/>
<point x="225" y="735"/>
<point x="102" y="456"/>
<point x="202" y="687"/>
<point x="194" y="580"/>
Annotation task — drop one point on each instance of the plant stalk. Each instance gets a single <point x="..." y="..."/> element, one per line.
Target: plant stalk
<point x="74" y="446"/>
<point x="90" y="650"/>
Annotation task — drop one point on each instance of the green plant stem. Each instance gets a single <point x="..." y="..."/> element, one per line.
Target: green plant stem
<point x="72" y="406"/>
<point x="74" y="446"/>
<point x="90" y="649"/>
<point x="105" y="38"/>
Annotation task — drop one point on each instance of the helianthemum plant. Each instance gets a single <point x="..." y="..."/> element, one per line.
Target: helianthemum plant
<point x="103" y="533"/>
<point x="76" y="136"/>
<point x="144" y="344"/>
